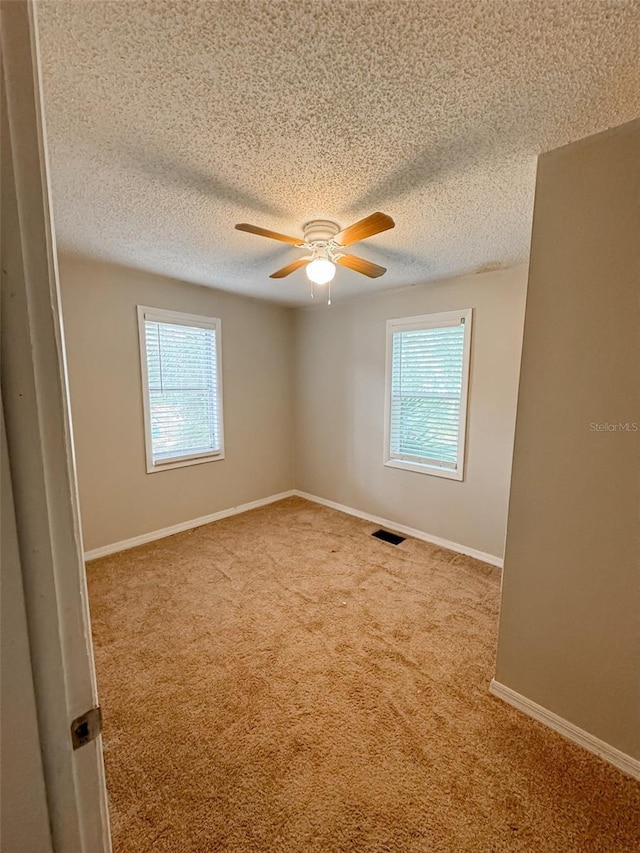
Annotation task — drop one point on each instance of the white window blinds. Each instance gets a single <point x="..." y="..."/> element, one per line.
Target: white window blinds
<point x="428" y="388"/>
<point x="183" y="410"/>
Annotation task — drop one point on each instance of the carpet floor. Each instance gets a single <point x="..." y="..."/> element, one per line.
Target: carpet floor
<point x="282" y="682"/>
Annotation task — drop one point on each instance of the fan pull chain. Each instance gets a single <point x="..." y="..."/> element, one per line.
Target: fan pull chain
<point x="329" y="293"/>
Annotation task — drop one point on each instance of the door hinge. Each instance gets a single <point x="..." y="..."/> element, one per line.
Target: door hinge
<point x="86" y="728"/>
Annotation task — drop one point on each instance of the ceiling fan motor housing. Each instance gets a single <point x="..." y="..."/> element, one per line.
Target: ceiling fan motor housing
<point x="320" y="230"/>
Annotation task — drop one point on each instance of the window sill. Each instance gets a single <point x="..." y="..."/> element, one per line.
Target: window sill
<point x="154" y="467"/>
<point x="418" y="468"/>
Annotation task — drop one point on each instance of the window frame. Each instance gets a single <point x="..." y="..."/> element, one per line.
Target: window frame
<point x="162" y="315"/>
<point x="418" y="323"/>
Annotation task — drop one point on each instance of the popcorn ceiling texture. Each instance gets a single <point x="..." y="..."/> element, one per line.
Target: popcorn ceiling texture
<point x="169" y="122"/>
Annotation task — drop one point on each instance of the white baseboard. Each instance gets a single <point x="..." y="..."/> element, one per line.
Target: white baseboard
<point x="125" y="544"/>
<point x="402" y="528"/>
<point x="184" y="525"/>
<point x="609" y="753"/>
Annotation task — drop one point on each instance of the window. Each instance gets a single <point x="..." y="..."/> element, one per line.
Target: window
<point x="426" y="392"/>
<point x="182" y="388"/>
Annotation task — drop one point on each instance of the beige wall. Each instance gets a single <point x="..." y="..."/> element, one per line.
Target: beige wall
<point x="570" y="622"/>
<point x="340" y="386"/>
<point x="118" y="499"/>
<point x="327" y="391"/>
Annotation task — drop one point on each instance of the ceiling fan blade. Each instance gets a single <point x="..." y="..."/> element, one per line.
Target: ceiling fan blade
<point x="264" y="232"/>
<point x="360" y="265"/>
<point x="366" y="227"/>
<point x="292" y="267"/>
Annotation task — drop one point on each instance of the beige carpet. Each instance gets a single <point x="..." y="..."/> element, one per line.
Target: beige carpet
<point x="281" y="681"/>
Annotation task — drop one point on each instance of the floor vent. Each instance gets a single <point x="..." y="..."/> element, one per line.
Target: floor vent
<point x="391" y="538"/>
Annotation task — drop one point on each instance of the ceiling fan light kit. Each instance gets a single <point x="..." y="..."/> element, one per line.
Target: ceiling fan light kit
<point x="321" y="270"/>
<point x="324" y="239"/>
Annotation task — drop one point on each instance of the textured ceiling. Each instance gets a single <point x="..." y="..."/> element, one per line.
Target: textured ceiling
<point x="169" y="122"/>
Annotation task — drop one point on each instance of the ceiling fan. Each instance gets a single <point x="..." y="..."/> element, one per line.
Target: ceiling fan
<point x="325" y="241"/>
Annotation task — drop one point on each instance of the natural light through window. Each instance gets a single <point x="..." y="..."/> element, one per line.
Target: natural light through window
<point x="427" y="386"/>
<point x="180" y="360"/>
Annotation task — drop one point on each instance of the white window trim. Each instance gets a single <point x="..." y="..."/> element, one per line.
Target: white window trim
<point x="161" y="315"/>
<point x="430" y="321"/>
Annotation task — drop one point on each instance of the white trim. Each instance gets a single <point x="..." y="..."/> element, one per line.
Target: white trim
<point x="424" y="468"/>
<point x="441" y="319"/>
<point x="402" y="528"/>
<point x="603" y="750"/>
<point x="437" y="320"/>
<point x="125" y="544"/>
<point x="188" y="459"/>
<point x="161" y="315"/>
<point x="41" y="455"/>
<point x="95" y="553"/>
<point x="177" y="318"/>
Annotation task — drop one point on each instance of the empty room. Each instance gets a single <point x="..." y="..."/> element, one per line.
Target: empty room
<point x="321" y="426"/>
